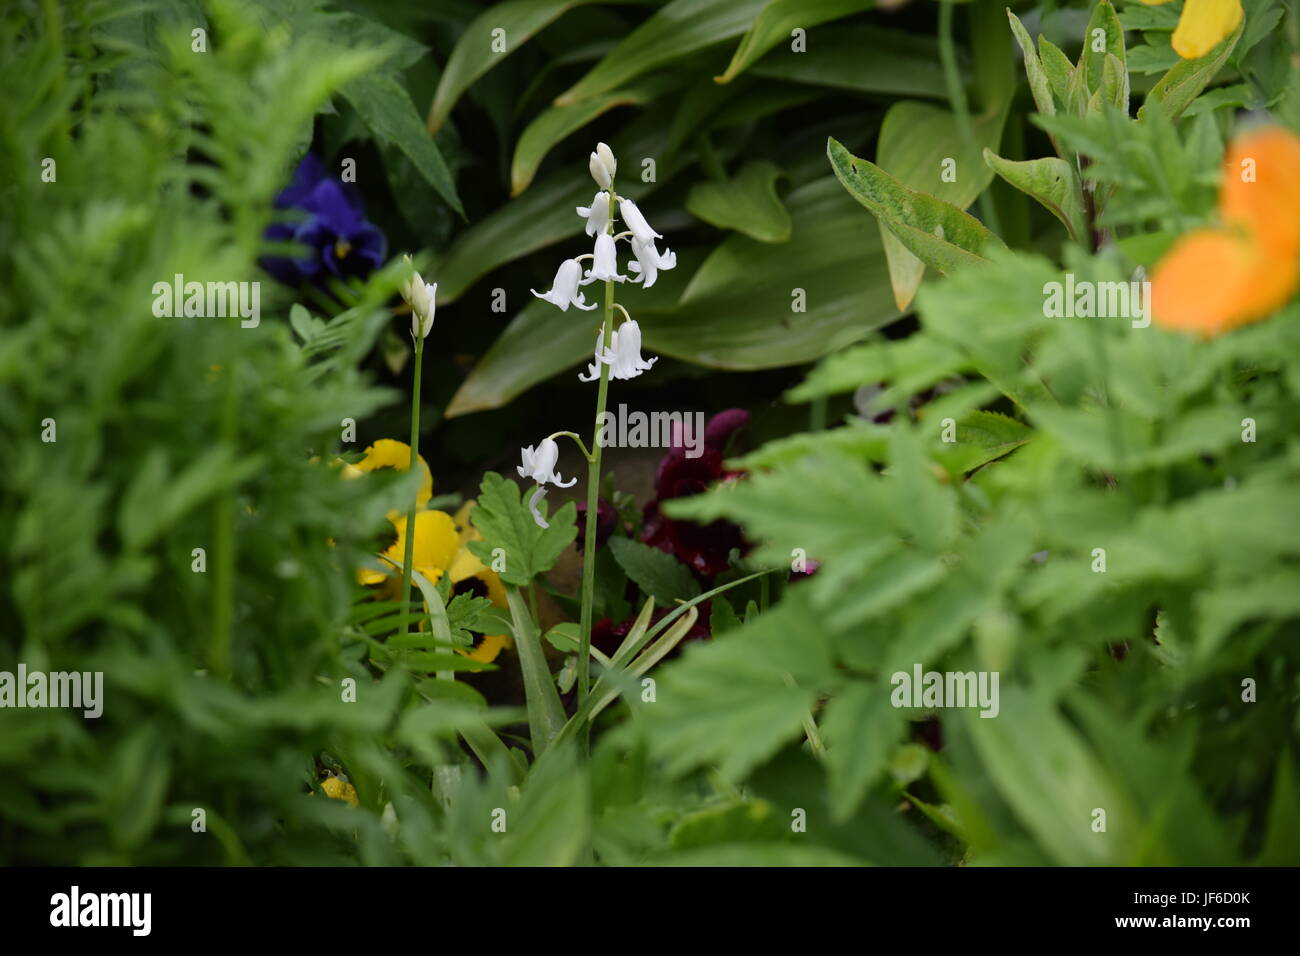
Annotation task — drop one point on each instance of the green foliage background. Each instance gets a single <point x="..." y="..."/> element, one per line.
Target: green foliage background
<point x="222" y="687"/>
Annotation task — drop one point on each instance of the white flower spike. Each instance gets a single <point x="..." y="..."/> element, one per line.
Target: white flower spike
<point x="636" y="222"/>
<point x="624" y="354"/>
<point x="603" y="166"/>
<point x="649" y="262"/>
<point x="564" y="289"/>
<point x="597" y="214"/>
<point x="605" y="265"/>
<point x="539" y="465"/>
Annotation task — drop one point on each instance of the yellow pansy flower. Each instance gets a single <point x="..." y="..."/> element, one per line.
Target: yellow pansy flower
<point x="387" y="453"/>
<point x="442" y="547"/>
<point x="1203" y="25"/>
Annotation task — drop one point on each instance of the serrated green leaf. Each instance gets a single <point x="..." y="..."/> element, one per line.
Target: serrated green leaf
<point x="655" y="572"/>
<point x="503" y="518"/>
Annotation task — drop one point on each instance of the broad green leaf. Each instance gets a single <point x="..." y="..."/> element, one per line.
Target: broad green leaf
<point x="677" y="30"/>
<point x="936" y="232"/>
<point x="861" y="726"/>
<point x="921" y="146"/>
<point x="1182" y="84"/>
<point x="477" y="50"/>
<point x="1101" y="38"/>
<point x="1056" y="67"/>
<point x="1053" y="182"/>
<point x="1053" y="781"/>
<point x="555" y="124"/>
<point x="551" y="824"/>
<point x="739" y="821"/>
<point x="747" y="203"/>
<point x="775" y="23"/>
<point x="386" y="108"/>
<point x="655" y="572"/>
<point x="900" y="63"/>
<point x="545" y="712"/>
<point x="503" y="518"/>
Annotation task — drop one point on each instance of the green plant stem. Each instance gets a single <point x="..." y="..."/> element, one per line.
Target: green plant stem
<point x="223" y="585"/>
<point x="593" y="503"/>
<point x="593" y="490"/>
<point x="408" y="556"/>
<point x="957" y="100"/>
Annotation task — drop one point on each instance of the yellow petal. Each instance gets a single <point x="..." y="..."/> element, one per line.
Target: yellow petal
<point x="488" y="647"/>
<point x="340" y="790"/>
<point x="1203" y="26"/>
<point x="436" y="543"/>
<point x="387" y="453"/>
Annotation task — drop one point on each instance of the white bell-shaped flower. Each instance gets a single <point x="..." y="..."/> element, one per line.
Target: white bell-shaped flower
<point x="597" y="214"/>
<point x="564" y="289"/>
<point x="539" y="464"/>
<point x="624" y="353"/>
<point x="649" y="263"/>
<point x="604" y="266"/>
<point x="636" y="222"/>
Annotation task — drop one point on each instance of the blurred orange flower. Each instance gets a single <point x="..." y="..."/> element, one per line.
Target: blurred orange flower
<point x="1217" y="279"/>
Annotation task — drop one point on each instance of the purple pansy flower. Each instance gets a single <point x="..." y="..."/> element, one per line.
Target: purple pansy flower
<point x="341" y="241"/>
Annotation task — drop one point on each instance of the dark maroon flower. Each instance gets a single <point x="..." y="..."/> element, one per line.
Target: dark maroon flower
<point x="330" y="222"/>
<point x="705" y="549"/>
<point x="606" y="519"/>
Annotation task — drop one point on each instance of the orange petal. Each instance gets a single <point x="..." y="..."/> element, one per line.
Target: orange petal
<point x="1261" y="188"/>
<point x="1212" y="281"/>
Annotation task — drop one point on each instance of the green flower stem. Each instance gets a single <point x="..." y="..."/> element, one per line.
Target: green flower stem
<point x="593" y="496"/>
<point x="409" y="556"/>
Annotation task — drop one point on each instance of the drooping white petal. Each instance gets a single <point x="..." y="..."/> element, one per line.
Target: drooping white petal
<point x="593" y="370"/>
<point x="597" y="214"/>
<point x="636" y="222"/>
<point x="533" y="502"/>
<point x="649" y="262"/>
<point x="624" y="354"/>
<point x="539" y="464"/>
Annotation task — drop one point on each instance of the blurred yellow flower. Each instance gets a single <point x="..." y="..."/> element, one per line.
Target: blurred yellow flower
<point x="1203" y="25"/>
<point x="442" y="547"/>
<point x="339" y="789"/>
